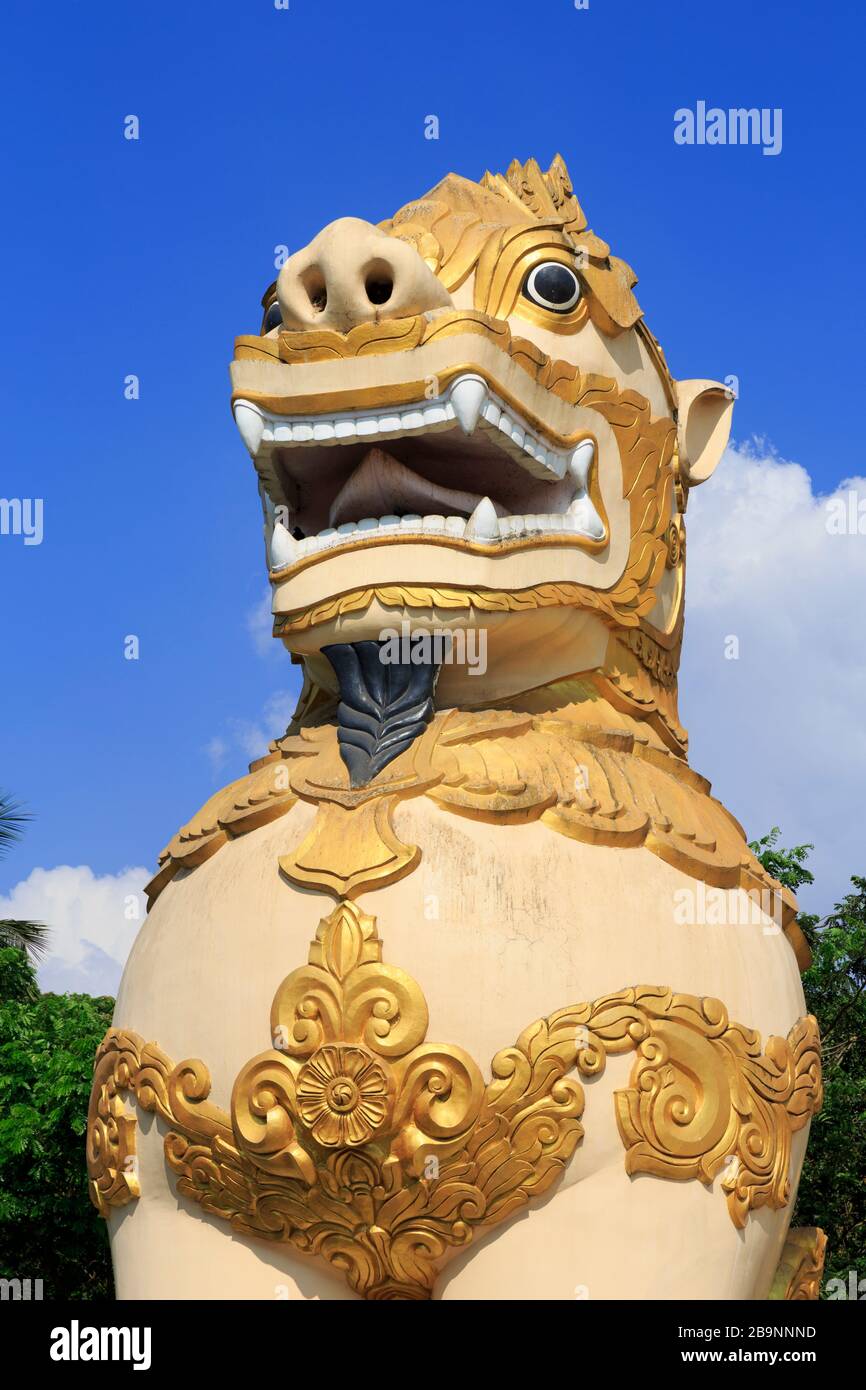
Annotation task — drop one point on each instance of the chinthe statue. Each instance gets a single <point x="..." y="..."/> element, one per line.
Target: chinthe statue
<point x="386" y="1031"/>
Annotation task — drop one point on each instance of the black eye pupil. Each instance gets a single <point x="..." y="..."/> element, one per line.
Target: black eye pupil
<point x="555" y="283"/>
<point x="273" y="318"/>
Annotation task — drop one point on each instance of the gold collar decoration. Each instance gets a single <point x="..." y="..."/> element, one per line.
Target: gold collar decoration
<point x="600" y="785"/>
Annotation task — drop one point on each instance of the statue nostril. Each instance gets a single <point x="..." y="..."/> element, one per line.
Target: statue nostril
<point x="313" y="282"/>
<point x="379" y="289"/>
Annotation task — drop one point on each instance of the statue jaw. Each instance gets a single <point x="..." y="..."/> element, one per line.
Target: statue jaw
<point x="420" y="443"/>
<point x="541" y="526"/>
<point x="482" y="657"/>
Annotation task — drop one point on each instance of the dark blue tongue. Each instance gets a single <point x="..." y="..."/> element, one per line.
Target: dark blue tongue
<point x="384" y="705"/>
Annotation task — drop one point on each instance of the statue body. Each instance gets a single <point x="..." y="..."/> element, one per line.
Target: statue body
<point x="470" y="988"/>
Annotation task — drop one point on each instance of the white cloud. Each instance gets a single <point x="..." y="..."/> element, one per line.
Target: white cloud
<point x="217" y="751"/>
<point x="260" y="626"/>
<point x="253" y="736"/>
<point x="780" y="729"/>
<point x="93" y="919"/>
<point x="244" y="740"/>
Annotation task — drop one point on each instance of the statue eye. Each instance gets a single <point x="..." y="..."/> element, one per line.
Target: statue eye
<point x="553" y="286"/>
<point x="273" y="318"/>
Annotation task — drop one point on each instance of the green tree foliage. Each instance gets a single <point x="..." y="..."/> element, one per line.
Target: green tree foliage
<point x="786" y="865"/>
<point x="48" y="1228"/>
<point x="832" y="1191"/>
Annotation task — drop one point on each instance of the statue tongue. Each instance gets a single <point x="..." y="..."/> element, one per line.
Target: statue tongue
<point x="381" y="485"/>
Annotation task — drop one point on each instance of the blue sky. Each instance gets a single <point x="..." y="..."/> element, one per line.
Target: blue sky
<point x="258" y="126"/>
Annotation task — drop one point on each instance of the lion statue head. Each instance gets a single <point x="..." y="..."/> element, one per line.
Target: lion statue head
<point x="462" y="425"/>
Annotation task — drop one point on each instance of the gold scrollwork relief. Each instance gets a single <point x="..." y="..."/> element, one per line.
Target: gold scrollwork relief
<point x="355" y="1140"/>
<point x="801" y="1268"/>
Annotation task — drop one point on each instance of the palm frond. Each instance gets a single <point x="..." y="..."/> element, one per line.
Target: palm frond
<point x="32" y="937"/>
<point x="13" y="818"/>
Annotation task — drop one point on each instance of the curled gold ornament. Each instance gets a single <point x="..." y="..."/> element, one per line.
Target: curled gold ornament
<point x="801" y="1267"/>
<point x="262" y="1113"/>
<point x="329" y="1147"/>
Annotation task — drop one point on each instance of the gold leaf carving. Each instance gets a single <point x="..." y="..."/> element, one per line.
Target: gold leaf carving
<point x="801" y="1267"/>
<point x="350" y="850"/>
<point x="600" y="785"/>
<point x="320" y="345"/>
<point x="111" y="1161"/>
<point x="355" y="1140"/>
<point x="123" y="1063"/>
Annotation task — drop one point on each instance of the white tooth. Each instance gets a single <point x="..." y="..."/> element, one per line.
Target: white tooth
<point x="368" y="523"/>
<point x="511" y="526"/>
<point x="518" y="436"/>
<point x="283" y="548"/>
<point x="582" y="516"/>
<point x="388" y="423"/>
<point x="579" y="463"/>
<point x="344" y="429"/>
<point x="506" y="424"/>
<point x="412" y="420"/>
<point x="322" y="430"/>
<point x="251" y="425"/>
<point x="468" y="396"/>
<point x="434" y="523"/>
<point x="389" y="521"/>
<point x="282" y="434"/>
<point x="482" y="524"/>
<point x="302" y="432"/>
<point x="552" y="523"/>
<point x="367" y="426"/>
<point x="328" y="531"/>
<point x="492" y="413"/>
<point x="410" y="523"/>
<point x="346" y="529"/>
<point x="533" y="523"/>
<point x="455" y="526"/>
<point x="435" y="415"/>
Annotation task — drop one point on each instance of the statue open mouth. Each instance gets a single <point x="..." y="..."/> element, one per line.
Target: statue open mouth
<point x="464" y="467"/>
<point x="459" y="420"/>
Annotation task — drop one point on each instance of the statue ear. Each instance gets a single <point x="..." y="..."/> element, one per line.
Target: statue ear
<point x="704" y="410"/>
